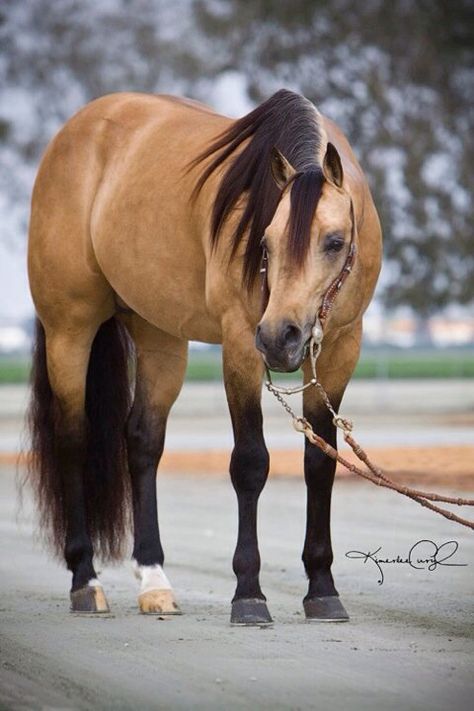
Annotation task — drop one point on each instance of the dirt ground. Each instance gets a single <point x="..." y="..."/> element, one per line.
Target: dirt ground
<point x="409" y="644"/>
<point x="433" y="466"/>
<point x="445" y="466"/>
<point x="419" y="432"/>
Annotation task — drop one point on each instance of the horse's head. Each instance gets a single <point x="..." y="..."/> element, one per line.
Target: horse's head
<point x="307" y="244"/>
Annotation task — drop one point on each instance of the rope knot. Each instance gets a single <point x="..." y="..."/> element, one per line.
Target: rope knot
<point x="300" y="424"/>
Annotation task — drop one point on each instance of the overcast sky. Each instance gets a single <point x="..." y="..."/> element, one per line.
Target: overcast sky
<point x="15" y="300"/>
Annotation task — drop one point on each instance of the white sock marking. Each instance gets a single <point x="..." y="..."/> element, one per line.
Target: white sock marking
<point x="152" y="577"/>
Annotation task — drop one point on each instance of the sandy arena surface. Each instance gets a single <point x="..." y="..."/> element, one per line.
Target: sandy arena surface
<point x="420" y="432"/>
<point x="409" y="644"/>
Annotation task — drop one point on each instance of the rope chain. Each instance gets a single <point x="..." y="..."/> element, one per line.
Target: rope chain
<point x="373" y="473"/>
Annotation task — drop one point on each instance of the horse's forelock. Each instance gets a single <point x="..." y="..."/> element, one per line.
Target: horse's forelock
<point x="290" y="123"/>
<point x="304" y="197"/>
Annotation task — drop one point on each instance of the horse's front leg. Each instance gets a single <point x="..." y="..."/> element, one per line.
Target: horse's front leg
<point x="322" y="601"/>
<point x="249" y="466"/>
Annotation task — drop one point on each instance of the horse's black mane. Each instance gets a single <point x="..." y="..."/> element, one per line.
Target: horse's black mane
<point x="288" y="122"/>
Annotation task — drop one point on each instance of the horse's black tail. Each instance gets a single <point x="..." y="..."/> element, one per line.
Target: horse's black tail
<point x="105" y="474"/>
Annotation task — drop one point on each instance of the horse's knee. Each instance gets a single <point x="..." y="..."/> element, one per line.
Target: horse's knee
<point x="249" y="466"/>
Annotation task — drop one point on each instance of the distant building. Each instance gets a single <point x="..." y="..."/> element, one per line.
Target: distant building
<point x="449" y="332"/>
<point x="402" y="329"/>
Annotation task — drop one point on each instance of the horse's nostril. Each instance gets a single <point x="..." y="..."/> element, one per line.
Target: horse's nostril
<point x="291" y="336"/>
<point x="279" y="343"/>
<point x="259" y="339"/>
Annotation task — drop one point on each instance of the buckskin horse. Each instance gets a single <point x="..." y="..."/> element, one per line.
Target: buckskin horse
<point x="151" y="216"/>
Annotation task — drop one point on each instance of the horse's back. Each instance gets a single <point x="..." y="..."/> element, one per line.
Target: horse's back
<point x="113" y="214"/>
<point x="107" y="161"/>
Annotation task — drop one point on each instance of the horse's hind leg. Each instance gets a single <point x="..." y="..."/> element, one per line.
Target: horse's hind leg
<point x="248" y="468"/>
<point x="68" y="352"/>
<point x="161" y="366"/>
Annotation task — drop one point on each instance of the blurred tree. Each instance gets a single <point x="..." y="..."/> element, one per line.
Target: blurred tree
<point x="57" y="56"/>
<point x="397" y="76"/>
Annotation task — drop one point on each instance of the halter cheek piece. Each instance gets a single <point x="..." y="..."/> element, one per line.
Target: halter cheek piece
<point x="335" y="286"/>
<point x="330" y="293"/>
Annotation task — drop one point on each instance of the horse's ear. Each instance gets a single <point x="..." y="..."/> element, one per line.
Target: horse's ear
<point x="332" y="166"/>
<point x="282" y="170"/>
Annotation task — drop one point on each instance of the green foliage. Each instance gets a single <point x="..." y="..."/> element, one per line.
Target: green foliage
<point x="415" y="364"/>
<point x="399" y="79"/>
<point x="14" y="370"/>
<point x="390" y="364"/>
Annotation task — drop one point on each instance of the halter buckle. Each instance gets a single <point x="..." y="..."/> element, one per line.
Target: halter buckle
<point x="317" y="331"/>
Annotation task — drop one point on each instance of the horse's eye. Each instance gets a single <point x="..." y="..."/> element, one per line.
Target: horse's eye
<point x="333" y="243"/>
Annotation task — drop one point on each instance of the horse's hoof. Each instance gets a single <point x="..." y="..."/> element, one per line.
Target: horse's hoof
<point x="250" y="612"/>
<point x="90" y="598"/>
<point x="325" y="609"/>
<point x="158" y="602"/>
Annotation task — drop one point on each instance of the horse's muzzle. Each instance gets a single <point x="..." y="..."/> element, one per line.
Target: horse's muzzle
<point x="283" y="348"/>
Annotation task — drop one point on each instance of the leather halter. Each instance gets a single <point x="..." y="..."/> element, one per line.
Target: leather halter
<point x="334" y="287"/>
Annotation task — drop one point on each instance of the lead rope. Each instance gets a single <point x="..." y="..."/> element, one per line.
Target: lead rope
<point x="374" y="473"/>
